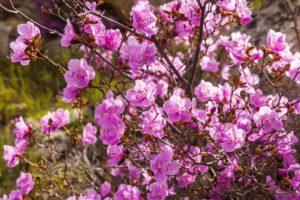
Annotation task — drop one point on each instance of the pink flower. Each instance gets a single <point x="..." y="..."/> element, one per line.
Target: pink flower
<point x="185" y="180"/>
<point x="69" y="35"/>
<point x="25" y="183"/>
<point x="21" y="129"/>
<point x="258" y="99"/>
<point x="110" y="134"/>
<point x="19" y="54"/>
<point x="96" y="30"/>
<point x="69" y="94"/>
<point x="267" y="120"/>
<point x="79" y="74"/>
<point x="89" y="134"/>
<point x="178" y="108"/>
<point x="144" y="20"/>
<point x="53" y="121"/>
<point x="112" y="39"/>
<point x="91" y="194"/>
<point x="276" y="41"/>
<point x="142" y="94"/>
<point x="11" y="154"/>
<point x="15" y="195"/>
<point x="105" y="189"/>
<point x="229" y="136"/>
<point x="204" y="91"/>
<point x="153" y="122"/>
<point x="163" y="165"/>
<point x="127" y="192"/>
<point x="157" y="191"/>
<point x="209" y="64"/>
<point x="138" y="54"/>
<point x="115" y="154"/>
<point x="28" y="31"/>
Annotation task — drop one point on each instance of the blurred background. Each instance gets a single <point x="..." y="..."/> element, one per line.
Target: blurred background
<point x="31" y="91"/>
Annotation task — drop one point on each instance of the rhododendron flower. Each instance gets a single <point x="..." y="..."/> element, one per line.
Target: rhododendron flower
<point x="163" y="165"/>
<point x="19" y="54"/>
<point x="110" y="134"/>
<point x="91" y="194"/>
<point x="11" y="154"/>
<point x="127" y="192"/>
<point x="157" y="191"/>
<point x="89" y="134"/>
<point x="69" y="35"/>
<point x="276" y="41"/>
<point x="25" y="183"/>
<point x="115" y="154"/>
<point x="178" y="108"/>
<point x="204" y="91"/>
<point x="79" y="74"/>
<point x="229" y="136"/>
<point x="144" y="20"/>
<point x="28" y="31"/>
<point x="21" y="129"/>
<point x="258" y="99"/>
<point x="105" y="189"/>
<point x="142" y="94"/>
<point x="138" y="53"/>
<point x="69" y="94"/>
<point x="15" y="195"/>
<point x="209" y="64"/>
<point x="153" y="122"/>
<point x="185" y="180"/>
<point x="112" y="39"/>
<point x="96" y="30"/>
<point x="53" y="121"/>
<point x="267" y="120"/>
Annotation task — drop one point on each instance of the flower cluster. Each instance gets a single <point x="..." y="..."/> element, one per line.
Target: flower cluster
<point x="173" y="114"/>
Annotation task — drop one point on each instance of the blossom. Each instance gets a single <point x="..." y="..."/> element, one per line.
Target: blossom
<point x="153" y="122"/>
<point x="21" y="129"/>
<point x="96" y="30"/>
<point x="185" y="180"/>
<point x="267" y="119"/>
<point x="15" y="195"/>
<point x="157" y="191"/>
<point x="112" y="39"/>
<point x="115" y="154"/>
<point x="91" y="194"/>
<point x="105" y="189"/>
<point x="127" y="192"/>
<point x="178" y="108"/>
<point x="69" y="94"/>
<point x="258" y="99"/>
<point x="142" y="94"/>
<point x="163" y="165"/>
<point x="209" y="64"/>
<point x="144" y="20"/>
<point x="229" y="136"/>
<point x="19" y="54"/>
<point x="79" y="74"/>
<point x="53" y="121"/>
<point x="110" y="134"/>
<point x="69" y="35"/>
<point x="138" y="53"/>
<point x="204" y="91"/>
<point x="11" y="154"/>
<point x="28" y="31"/>
<point x="276" y="41"/>
<point x="25" y="183"/>
<point x="89" y="134"/>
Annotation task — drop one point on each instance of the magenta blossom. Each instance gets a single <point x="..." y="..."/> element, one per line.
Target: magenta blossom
<point x="28" y="31"/>
<point x="12" y="154"/>
<point x="209" y="64"/>
<point x="89" y="134"/>
<point x="144" y="20"/>
<point x="142" y="94"/>
<point x="53" y="121"/>
<point x="105" y="189"/>
<point x="69" y="35"/>
<point x="204" y="91"/>
<point x="178" y="108"/>
<point x="79" y="74"/>
<point x="127" y="192"/>
<point x="153" y="122"/>
<point x="138" y="54"/>
<point x="112" y="39"/>
<point x="69" y="94"/>
<point x="21" y="129"/>
<point x="276" y="41"/>
<point x="157" y="191"/>
<point x="163" y="165"/>
<point x="115" y="154"/>
<point x="19" y="54"/>
<point x="25" y="183"/>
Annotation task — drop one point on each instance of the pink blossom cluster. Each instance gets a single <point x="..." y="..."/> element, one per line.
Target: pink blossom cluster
<point x="185" y="107"/>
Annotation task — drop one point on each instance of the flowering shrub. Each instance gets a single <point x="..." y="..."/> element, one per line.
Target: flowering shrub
<point x="210" y="120"/>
